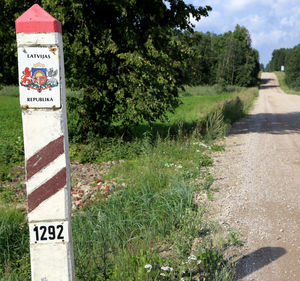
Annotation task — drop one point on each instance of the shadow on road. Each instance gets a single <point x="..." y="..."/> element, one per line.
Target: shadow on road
<point x="257" y="260"/>
<point x="267" y="83"/>
<point x="268" y="86"/>
<point x="284" y="123"/>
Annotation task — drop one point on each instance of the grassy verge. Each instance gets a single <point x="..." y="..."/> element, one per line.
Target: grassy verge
<point x="208" y="115"/>
<point x="153" y="228"/>
<point x="154" y="221"/>
<point x="11" y="139"/>
<point x="281" y="79"/>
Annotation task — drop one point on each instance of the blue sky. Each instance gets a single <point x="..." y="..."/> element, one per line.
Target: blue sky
<point x="273" y="24"/>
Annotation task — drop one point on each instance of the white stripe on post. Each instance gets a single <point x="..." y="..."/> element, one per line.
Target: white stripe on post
<point x="43" y="102"/>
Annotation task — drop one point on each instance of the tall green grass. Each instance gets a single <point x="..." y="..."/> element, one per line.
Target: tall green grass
<point x="11" y="138"/>
<point x="156" y="212"/>
<point x="282" y="83"/>
<point x="14" y="245"/>
<point x="208" y="90"/>
<point x="154" y="219"/>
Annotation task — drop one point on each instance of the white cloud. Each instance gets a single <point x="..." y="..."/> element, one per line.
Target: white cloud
<point x="252" y="22"/>
<point x="212" y="22"/>
<point x="272" y="37"/>
<point x="288" y="22"/>
<point x="238" y="5"/>
<point x="272" y="24"/>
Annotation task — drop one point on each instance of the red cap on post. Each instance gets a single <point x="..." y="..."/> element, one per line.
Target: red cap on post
<point x="35" y="20"/>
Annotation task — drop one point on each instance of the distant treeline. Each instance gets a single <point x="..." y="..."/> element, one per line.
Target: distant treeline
<point x="290" y="59"/>
<point x="130" y="58"/>
<point x="223" y="59"/>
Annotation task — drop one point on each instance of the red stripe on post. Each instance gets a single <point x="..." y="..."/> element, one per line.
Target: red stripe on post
<point x="46" y="190"/>
<point x="44" y="157"/>
<point x="35" y="20"/>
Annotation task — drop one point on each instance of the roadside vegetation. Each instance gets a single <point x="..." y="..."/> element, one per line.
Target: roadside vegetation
<point x="127" y="66"/>
<point x="154" y="228"/>
<point x="283" y="85"/>
<point x="289" y="59"/>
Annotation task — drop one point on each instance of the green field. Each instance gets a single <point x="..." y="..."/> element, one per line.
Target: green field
<point x="195" y="108"/>
<point x="154" y="219"/>
<point x="11" y="120"/>
<point x="11" y="138"/>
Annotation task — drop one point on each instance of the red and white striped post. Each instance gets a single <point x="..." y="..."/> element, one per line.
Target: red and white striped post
<point x="43" y="102"/>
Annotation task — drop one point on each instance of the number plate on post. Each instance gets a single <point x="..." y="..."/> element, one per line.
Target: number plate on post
<point x="49" y="232"/>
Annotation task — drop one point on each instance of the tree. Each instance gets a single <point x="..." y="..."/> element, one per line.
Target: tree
<point x="125" y="57"/>
<point x="292" y="70"/>
<point x="225" y="59"/>
<point x="200" y="68"/>
<point x="278" y="59"/>
<point x="238" y="63"/>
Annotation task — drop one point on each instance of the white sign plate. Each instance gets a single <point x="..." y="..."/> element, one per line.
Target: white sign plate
<point x="39" y="77"/>
<point x="48" y="232"/>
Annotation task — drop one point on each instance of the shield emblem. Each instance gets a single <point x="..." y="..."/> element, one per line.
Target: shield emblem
<point x="39" y="76"/>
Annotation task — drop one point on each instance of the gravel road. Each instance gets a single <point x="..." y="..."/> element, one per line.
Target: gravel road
<point x="259" y="181"/>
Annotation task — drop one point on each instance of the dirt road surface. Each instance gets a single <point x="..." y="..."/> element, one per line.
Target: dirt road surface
<point x="259" y="181"/>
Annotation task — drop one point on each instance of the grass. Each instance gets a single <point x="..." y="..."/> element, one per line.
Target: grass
<point x="281" y="79"/>
<point x="11" y="138"/>
<point x="211" y="116"/>
<point x="208" y="90"/>
<point x="14" y="254"/>
<point x="156" y="212"/>
<point x="9" y="91"/>
<point x="146" y="230"/>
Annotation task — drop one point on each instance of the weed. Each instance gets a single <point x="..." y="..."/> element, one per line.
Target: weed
<point x="215" y="125"/>
<point x="233" y="238"/>
<point x="218" y="148"/>
<point x="190" y="226"/>
<point x="213" y="264"/>
<point x="14" y="244"/>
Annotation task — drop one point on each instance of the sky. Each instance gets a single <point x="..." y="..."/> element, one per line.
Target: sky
<point x="273" y="24"/>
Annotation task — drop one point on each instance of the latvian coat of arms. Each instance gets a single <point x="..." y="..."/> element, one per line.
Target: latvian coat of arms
<point x="39" y="78"/>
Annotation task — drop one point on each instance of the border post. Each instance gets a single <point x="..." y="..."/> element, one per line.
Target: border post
<point x="43" y="102"/>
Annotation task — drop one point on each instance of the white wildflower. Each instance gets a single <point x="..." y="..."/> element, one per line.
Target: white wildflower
<point x="203" y="144"/>
<point x="167" y="268"/>
<point x="192" y="258"/>
<point x="148" y="266"/>
<point x="162" y="274"/>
